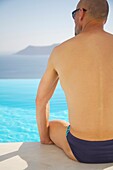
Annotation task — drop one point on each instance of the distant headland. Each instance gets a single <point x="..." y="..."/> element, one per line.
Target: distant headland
<point x="37" y="50"/>
<point x="29" y="63"/>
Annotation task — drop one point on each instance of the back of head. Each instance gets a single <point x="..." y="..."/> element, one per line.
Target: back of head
<point x="97" y="9"/>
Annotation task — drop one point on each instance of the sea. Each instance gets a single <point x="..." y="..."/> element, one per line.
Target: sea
<point x="17" y="98"/>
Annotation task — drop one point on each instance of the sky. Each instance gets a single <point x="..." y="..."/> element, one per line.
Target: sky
<point x="38" y="22"/>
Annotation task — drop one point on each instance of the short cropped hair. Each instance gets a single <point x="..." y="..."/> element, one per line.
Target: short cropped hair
<point x="97" y="9"/>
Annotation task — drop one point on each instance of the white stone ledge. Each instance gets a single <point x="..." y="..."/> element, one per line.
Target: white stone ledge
<point x="35" y="156"/>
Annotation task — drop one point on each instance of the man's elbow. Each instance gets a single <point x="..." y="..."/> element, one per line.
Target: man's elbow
<point x="40" y="101"/>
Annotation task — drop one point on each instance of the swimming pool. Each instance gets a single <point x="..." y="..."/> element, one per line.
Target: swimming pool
<point x="17" y="109"/>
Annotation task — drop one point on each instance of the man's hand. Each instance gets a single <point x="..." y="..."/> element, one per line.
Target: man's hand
<point x="47" y="141"/>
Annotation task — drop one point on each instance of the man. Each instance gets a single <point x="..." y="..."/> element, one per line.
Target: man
<point x="84" y="66"/>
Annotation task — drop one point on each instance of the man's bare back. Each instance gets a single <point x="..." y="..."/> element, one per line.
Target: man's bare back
<point x="85" y="64"/>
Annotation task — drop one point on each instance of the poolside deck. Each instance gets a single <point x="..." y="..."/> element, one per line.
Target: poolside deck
<point x="34" y="156"/>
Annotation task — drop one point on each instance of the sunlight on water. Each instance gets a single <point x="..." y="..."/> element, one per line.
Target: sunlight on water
<point x="17" y="110"/>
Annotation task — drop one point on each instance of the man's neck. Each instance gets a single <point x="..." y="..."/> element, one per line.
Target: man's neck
<point x="92" y="26"/>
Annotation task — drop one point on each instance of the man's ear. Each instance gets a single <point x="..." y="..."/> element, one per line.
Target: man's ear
<point x="81" y="15"/>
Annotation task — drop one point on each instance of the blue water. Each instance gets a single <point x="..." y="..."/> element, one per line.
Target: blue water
<point x="17" y="109"/>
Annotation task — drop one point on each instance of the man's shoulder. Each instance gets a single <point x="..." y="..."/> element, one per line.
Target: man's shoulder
<point x="63" y="48"/>
<point x="66" y="44"/>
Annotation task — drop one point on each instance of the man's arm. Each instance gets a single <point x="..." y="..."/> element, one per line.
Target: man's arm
<point x="45" y="91"/>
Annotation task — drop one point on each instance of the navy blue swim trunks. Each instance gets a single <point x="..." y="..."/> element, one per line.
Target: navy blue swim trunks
<point x="90" y="151"/>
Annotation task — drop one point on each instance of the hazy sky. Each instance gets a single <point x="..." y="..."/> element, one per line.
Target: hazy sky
<point x="38" y="22"/>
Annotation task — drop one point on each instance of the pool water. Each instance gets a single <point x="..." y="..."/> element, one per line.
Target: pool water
<point x="18" y="113"/>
